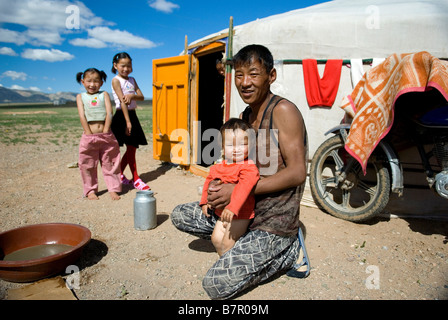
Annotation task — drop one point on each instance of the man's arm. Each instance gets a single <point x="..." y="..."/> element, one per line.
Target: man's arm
<point x="291" y="137"/>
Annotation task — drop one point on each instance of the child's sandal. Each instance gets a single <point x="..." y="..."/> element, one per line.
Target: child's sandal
<point x="125" y="180"/>
<point x="140" y="185"/>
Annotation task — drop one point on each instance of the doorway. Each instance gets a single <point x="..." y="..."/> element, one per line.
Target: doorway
<point x="211" y="85"/>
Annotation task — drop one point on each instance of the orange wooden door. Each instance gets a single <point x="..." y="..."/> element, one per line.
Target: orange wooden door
<point x="170" y="110"/>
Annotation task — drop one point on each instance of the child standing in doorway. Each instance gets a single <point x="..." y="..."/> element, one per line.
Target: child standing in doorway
<point x="125" y="124"/>
<point x="98" y="144"/>
<point x="238" y="169"/>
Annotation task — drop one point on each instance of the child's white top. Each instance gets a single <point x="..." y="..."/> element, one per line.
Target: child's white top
<point x="127" y="87"/>
<point x="94" y="106"/>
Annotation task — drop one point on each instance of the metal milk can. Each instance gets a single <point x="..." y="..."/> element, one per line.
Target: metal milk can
<point x="145" y="213"/>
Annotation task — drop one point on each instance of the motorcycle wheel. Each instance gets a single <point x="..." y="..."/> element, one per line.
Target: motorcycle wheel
<point x="349" y="195"/>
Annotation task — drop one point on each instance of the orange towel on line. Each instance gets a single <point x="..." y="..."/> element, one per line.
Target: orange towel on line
<point x="321" y="91"/>
<point x="371" y="104"/>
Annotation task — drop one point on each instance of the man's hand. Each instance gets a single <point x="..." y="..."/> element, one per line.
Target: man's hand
<point x="219" y="194"/>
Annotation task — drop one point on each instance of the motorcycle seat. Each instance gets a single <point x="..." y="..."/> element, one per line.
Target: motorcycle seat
<point x="436" y="118"/>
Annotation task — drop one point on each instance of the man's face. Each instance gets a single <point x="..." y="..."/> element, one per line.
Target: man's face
<point x="253" y="82"/>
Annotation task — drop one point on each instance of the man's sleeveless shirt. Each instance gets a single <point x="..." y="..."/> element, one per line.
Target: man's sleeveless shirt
<point x="276" y="212"/>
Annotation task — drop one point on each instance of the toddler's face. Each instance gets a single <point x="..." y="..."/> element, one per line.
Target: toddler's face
<point x="235" y="145"/>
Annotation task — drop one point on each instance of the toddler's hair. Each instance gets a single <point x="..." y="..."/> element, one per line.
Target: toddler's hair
<point x="235" y="124"/>
<point x="80" y="75"/>
<point x="118" y="57"/>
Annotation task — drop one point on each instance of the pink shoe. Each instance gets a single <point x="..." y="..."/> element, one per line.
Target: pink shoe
<point x="125" y="180"/>
<point x="140" y="185"/>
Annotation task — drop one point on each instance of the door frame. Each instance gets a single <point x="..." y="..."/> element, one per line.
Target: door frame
<point x="206" y="49"/>
<point x="191" y="103"/>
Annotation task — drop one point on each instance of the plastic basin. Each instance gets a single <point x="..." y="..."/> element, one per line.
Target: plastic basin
<point x="73" y="235"/>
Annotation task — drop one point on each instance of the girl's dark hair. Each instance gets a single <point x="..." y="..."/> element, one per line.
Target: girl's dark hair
<point x="80" y="75"/>
<point x="254" y="52"/>
<point x="118" y="57"/>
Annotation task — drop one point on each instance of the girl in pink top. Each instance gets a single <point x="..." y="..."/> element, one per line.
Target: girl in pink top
<point x="236" y="168"/>
<point x="125" y="124"/>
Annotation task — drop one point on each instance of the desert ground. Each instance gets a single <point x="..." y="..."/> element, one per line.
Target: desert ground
<point x="385" y="259"/>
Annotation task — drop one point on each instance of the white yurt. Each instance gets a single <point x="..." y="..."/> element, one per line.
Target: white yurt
<point x="332" y="43"/>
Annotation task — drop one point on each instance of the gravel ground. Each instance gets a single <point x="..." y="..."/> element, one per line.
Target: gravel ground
<point x="387" y="259"/>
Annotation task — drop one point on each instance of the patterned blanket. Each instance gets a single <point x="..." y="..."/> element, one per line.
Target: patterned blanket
<point x="371" y="104"/>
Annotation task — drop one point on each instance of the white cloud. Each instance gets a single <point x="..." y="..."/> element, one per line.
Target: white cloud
<point x="45" y="20"/>
<point x="119" y="38"/>
<point x="16" y="87"/>
<point x="14" y="75"/>
<point x="51" y="55"/>
<point x="45" y="37"/>
<point x="163" y="5"/>
<point x="38" y="14"/>
<point x="91" y="43"/>
<point x="7" y="51"/>
<point x="12" y="36"/>
<point x="47" y="23"/>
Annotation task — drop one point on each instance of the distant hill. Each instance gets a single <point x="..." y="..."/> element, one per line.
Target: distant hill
<point x="28" y="96"/>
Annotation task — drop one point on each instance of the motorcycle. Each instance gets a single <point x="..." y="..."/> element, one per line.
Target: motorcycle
<point x="340" y="187"/>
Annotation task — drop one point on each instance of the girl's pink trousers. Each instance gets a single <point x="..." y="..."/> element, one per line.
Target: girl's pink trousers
<point x="102" y="148"/>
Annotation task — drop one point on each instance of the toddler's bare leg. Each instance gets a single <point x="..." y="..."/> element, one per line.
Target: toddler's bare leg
<point x="233" y="232"/>
<point x="217" y="236"/>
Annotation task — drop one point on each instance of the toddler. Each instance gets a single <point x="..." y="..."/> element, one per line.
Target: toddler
<point x="238" y="169"/>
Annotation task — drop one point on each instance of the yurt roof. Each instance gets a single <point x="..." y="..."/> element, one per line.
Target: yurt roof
<point x="345" y="29"/>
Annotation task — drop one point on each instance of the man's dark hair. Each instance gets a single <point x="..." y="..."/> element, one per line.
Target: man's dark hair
<point x="254" y="52"/>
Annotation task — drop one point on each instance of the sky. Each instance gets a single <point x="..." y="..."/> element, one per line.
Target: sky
<point x="44" y="43"/>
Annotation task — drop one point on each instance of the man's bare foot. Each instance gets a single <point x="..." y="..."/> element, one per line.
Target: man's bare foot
<point x="114" y="196"/>
<point x="92" y="196"/>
